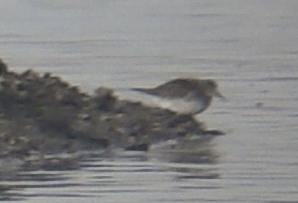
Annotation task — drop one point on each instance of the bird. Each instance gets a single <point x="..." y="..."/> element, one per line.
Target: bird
<point x="188" y="96"/>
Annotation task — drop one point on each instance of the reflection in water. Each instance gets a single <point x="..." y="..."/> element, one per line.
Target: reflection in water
<point x="130" y="173"/>
<point x="186" y="150"/>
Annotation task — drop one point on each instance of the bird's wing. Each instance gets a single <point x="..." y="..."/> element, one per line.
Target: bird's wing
<point x="171" y="89"/>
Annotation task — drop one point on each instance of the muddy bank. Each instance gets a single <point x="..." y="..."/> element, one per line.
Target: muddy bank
<point x="43" y="114"/>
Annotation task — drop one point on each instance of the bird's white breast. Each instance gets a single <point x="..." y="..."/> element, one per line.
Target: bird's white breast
<point x="181" y="105"/>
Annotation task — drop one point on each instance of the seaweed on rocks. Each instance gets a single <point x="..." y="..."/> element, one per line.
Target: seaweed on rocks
<point x="44" y="114"/>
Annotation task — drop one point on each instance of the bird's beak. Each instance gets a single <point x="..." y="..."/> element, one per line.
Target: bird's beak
<point x="218" y="94"/>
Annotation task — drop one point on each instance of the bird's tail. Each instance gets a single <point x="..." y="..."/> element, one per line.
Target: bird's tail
<point x="138" y="89"/>
<point x="144" y="90"/>
<point x="124" y="89"/>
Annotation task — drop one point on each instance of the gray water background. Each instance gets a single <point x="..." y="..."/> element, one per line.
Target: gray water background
<point x="249" y="47"/>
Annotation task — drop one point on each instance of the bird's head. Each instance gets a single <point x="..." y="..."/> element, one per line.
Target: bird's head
<point x="211" y="88"/>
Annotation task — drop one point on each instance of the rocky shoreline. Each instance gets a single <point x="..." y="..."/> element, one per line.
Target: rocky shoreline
<point x="43" y="114"/>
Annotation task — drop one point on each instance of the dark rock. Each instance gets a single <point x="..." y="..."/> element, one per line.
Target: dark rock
<point x="3" y="67"/>
<point x="138" y="147"/>
<point x="213" y="132"/>
<point x="104" y="99"/>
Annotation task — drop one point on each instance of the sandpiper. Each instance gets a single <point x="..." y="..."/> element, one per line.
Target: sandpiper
<point x="184" y="95"/>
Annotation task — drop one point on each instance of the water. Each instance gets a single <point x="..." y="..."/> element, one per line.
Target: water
<point x="250" y="47"/>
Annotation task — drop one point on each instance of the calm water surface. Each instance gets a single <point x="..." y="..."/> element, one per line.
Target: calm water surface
<point x="250" y="47"/>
